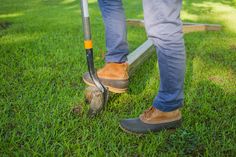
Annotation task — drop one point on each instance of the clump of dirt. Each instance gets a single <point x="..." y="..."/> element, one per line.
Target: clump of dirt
<point x="233" y="47"/>
<point x="5" y="25"/>
<point x="77" y="110"/>
<point x="216" y="79"/>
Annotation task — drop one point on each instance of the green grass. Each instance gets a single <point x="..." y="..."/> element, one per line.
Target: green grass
<point x="42" y="61"/>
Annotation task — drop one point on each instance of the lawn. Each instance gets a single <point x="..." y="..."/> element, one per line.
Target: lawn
<point x="42" y="60"/>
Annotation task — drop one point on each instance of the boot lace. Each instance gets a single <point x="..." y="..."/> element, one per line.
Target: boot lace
<point x="147" y="113"/>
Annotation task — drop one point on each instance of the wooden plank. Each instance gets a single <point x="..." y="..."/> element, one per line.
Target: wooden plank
<point x="187" y="27"/>
<point x="135" y="22"/>
<point x="193" y="28"/>
<point x="139" y="55"/>
<point x="196" y="27"/>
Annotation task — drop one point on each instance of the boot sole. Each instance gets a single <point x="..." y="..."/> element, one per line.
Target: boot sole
<point x="111" y="89"/>
<point x="130" y="132"/>
<point x="169" y="128"/>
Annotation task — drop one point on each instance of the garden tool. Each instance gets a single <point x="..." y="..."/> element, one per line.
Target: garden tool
<point x="96" y="96"/>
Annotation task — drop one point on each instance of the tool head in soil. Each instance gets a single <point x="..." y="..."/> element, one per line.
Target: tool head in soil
<point x="96" y="99"/>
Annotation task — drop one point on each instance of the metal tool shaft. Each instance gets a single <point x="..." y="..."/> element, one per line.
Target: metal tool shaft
<point x="89" y="50"/>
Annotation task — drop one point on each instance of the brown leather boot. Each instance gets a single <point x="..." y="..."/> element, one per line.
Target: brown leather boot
<point x="152" y="120"/>
<point x="113" y="75"/>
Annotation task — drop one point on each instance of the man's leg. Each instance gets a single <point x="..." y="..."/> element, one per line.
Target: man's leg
<point x="115" y="25"/>
<point x="164" y="27"/>
<point x="114" y="74"/>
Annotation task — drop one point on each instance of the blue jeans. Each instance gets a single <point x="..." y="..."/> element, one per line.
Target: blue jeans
<point x="163" y="26"/>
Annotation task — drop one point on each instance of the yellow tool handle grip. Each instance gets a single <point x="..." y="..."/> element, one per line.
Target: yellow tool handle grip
<point x="88" y="44"/>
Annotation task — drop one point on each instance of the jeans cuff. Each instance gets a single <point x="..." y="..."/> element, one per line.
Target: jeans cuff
<point x="168" y="107"/>
<point x="116" y="58"/>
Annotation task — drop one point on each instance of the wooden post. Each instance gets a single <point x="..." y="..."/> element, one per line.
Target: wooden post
<point x="187" y="27"/>
<point x="139" y="55"/>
